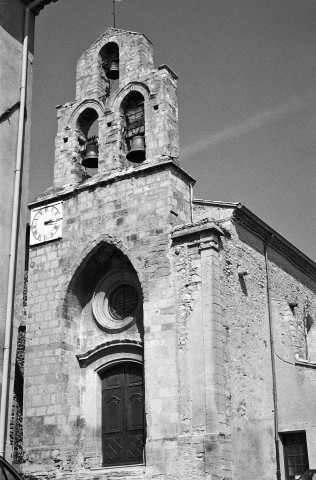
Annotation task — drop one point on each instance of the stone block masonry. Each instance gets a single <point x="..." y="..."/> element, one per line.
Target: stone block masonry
<point x="94" y="101"/>
<point x="134" y="212"/>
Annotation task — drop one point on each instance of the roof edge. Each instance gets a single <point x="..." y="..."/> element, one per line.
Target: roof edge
<point x="249" y="220"/>
<point x="217" y="203"/>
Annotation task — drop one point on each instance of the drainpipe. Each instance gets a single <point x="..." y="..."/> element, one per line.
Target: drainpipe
<point x="191" y="201"/>
<point x="4" y="406"/>
<point x="274" y="383"/>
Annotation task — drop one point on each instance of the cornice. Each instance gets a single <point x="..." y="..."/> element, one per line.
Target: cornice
<point x="204" y="235"/>
<point x="59" y="193"/>
<point x="193" y="228"/>
<point x="40" y="6"/>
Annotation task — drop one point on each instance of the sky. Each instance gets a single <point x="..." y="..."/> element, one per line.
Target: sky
<point x="246" y="95"/>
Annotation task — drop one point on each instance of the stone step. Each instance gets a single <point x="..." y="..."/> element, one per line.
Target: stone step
<point x="119" y="473"/>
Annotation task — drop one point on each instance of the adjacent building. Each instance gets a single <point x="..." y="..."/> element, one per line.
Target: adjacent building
<point x="12" y="37"/>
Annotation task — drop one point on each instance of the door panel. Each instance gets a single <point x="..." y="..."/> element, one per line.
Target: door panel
<point x="113" y="415"/>
<point x="122" y="415"/>
<point x="135" y="412"/>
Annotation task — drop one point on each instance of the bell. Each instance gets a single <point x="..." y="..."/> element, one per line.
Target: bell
<point x="137" y="150"/>
<point x="113" y="71"/>
<point x="92" y="156"/>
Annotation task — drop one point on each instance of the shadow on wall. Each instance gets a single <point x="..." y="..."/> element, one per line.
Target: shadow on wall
<point x="104" y="262"/>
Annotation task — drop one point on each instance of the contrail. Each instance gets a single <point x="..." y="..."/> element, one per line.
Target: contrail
<point x="260" y="119"/>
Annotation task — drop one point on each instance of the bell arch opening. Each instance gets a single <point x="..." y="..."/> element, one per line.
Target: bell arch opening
<point x="109" y="65"/>
<point x="88" y="139"/>
<point x="133" y="126"/>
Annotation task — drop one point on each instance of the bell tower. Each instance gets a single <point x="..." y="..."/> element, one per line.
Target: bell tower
<point x="101" y="362"/>
<point x="133" y="105"/>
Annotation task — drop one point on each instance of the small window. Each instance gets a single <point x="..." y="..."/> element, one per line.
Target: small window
<point x="295" y="454"/>
<point x="310" y="328"/>
<point x="293" y="306"/>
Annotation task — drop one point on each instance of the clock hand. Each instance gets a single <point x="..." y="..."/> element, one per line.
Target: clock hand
<point x="48" y="222"/>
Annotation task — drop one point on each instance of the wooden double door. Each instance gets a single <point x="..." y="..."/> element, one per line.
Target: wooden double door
<point x="123" y="415"/>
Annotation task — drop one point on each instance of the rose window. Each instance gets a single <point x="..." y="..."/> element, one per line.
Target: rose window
<point x="123" y="302"/>
<point x="116" y="302"/>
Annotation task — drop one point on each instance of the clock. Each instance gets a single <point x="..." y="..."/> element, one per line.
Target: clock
<point x="46" y="223"/>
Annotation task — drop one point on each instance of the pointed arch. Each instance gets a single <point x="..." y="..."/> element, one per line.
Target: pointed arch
<point x="89" y="250"/>
<point x="89" y="269"/>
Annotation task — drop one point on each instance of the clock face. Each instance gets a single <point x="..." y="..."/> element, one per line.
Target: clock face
<point x="46" y="223"/>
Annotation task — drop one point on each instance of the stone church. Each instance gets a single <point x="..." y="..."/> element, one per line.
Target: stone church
<point x="167" y="337"/>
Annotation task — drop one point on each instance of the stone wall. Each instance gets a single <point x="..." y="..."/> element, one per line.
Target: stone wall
<point x="204" y="335"/>
<point x="248" y="350"/>
<point x="247" y="353"/>
<point x="135" y="215"/>
<point x="16" y="424"/>
<point x="203" y="395"/>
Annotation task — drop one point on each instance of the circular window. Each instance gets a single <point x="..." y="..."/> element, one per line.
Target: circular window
<point x="116" y="302"/>
<point x="123" y="302"/>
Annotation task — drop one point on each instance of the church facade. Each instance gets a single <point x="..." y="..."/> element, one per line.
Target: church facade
<point x="166" y="337"/>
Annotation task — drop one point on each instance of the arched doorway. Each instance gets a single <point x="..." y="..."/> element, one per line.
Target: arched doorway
<point x="122" y="414"/>
<point x="103" y="304"/>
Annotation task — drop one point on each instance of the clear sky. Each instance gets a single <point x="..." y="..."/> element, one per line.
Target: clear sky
<point x="246" y="93"/>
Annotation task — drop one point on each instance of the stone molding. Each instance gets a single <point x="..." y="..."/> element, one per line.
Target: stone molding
<point x="117" y="350"/>
<point x="205" y="234"/>
<point x="103" y="179"/>
<point x="130" y="87"/>
<point x="100" y="301"/>
<point x="169" y="70"/>
<point x="83" y="105"/>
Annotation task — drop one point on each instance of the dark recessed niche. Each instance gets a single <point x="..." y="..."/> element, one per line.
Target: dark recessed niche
<point x="293" y="306"/>
<point x="109" y="124"/>
<point x="156" y="107"/>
